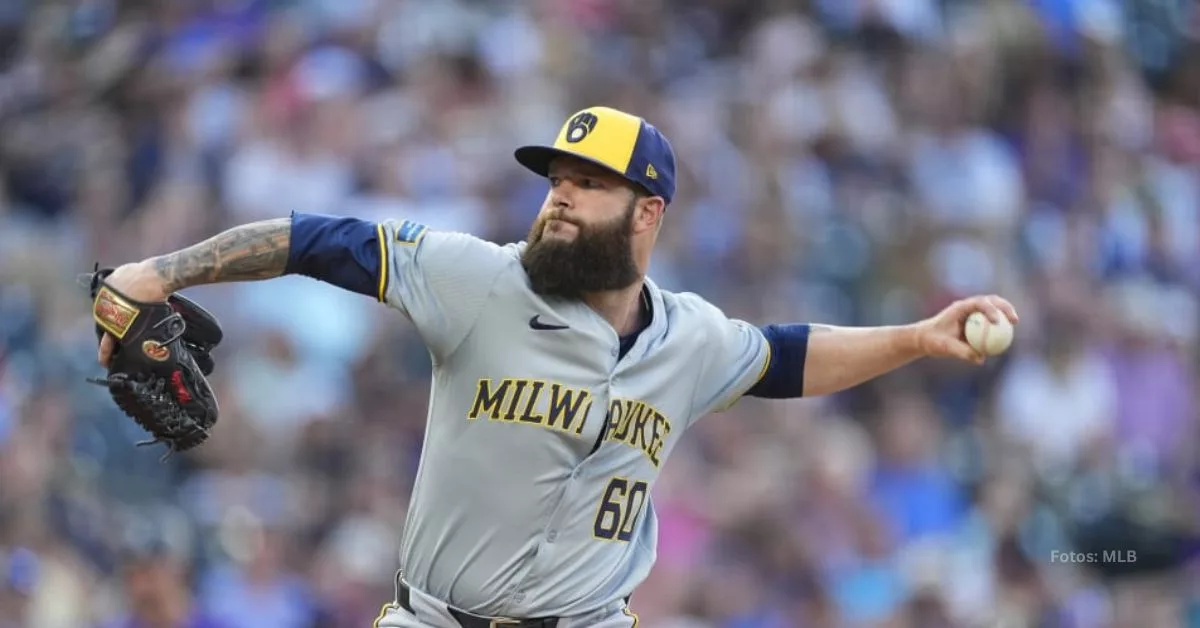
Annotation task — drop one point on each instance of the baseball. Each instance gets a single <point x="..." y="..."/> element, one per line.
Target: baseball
<point x="987" y="337"/>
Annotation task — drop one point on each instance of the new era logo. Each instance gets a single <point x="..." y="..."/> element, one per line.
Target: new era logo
<point x="651" y="172"/>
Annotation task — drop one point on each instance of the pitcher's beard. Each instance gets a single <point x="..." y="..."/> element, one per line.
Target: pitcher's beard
<point x="599" y="258"/>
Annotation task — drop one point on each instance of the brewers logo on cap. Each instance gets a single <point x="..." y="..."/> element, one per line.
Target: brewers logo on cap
<point x="618" y="141"/>
<point x="580" y="126"/>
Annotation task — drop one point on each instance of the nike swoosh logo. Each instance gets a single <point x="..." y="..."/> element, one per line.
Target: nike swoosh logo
<point x="534" y="323"/>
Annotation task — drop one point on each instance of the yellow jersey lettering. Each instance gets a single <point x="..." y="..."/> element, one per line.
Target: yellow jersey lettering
<point x="638" y="438"/>
<point x="565" y="404"/>
<point x="533" y="402"/>
<point x="487" y="401"/>
<point x="660" y="428"/>
<point x="634" y="420"/>
<point x="587" y="409"/>
<point x="515" y="400"/>
<point x="612" y="418"/>
<point x="628" y="408"/>
<point x="529" y="415"/>
<point x="638" y="425"/>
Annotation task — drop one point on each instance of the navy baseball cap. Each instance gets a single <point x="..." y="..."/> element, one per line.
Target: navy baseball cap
<point x="618" y="141"/>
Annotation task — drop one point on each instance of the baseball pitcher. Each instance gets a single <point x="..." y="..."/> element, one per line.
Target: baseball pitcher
<point x="563" y="377"/>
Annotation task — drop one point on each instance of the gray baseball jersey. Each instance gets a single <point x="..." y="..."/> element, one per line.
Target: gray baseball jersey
<point x="519" y="508"/>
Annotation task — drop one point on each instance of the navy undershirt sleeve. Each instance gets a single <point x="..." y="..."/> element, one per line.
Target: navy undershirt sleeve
<point x="342" y="251"/>
<point x="784" y="377"/>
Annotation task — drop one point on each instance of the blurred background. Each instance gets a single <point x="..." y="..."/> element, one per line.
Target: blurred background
<point x="854" y="162"/>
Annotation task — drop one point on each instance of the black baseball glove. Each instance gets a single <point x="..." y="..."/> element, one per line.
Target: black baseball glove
<point x="161" y="355"/>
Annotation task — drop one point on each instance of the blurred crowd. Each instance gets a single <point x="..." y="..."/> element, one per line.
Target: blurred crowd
<point x="854" y="162"/>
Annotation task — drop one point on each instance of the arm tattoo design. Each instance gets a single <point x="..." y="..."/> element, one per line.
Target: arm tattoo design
<point x="253" y="251"/>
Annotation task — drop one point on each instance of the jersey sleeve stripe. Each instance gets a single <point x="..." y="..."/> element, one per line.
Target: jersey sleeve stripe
<point x="346" y="252"/>
<point x="762" y="372"/>
<point x="383" y="613"/>
<point x="384" y="263"/>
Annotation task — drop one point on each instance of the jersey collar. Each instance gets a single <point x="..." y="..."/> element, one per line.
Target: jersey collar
<point x="658" y="320"/>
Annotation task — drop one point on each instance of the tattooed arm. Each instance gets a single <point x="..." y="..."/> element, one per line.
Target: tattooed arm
<point x="345" y="252"/>
<point x="253" y="251"/>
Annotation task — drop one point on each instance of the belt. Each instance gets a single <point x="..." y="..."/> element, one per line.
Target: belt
<point x="467" y="620"/>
